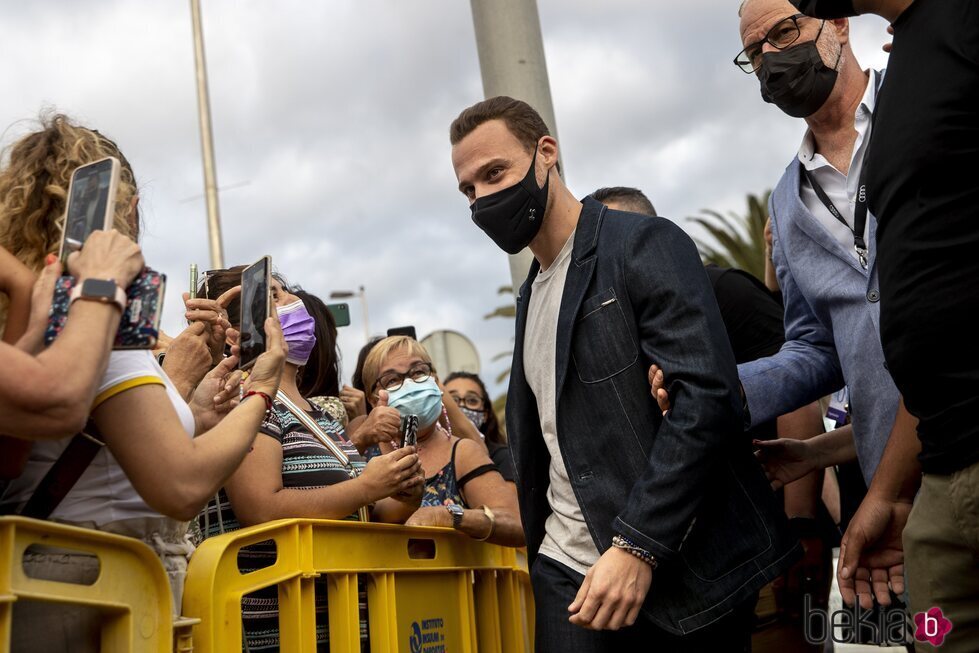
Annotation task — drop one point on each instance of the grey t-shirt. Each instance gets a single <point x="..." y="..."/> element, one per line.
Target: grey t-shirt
<point x="566" y="537"/>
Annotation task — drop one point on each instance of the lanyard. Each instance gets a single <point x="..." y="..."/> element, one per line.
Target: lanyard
<point x="860" y="207"/>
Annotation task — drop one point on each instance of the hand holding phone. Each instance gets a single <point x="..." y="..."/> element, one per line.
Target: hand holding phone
<point x="107" y="255"/>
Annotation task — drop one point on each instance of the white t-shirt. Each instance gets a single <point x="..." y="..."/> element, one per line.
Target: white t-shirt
<point x="566" y="536"/>
<point x="103" y="494"/>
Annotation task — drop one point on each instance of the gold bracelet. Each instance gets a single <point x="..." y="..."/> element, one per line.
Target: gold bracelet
<point x="492" y="518"/>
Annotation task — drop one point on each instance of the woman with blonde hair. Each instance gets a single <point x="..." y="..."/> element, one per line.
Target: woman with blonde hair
<point x="153" y="474"/>
<point x="464" y="489"/>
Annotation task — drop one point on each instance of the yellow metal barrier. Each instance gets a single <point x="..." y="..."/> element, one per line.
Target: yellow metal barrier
<point x="456" y="596"/>
<point x="132" y="591"/>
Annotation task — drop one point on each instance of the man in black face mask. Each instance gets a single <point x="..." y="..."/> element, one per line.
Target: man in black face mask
<point x="823" y="239"/>
<point x="645" y="531"/>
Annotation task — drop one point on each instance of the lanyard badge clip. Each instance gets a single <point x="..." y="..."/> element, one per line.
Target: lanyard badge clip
<point x="862" y="255"/>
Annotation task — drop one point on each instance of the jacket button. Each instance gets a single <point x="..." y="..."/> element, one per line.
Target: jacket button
<point x="873" y="296"/>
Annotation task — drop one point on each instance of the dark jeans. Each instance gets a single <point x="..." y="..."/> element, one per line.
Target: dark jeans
<point x="555" y="587"/>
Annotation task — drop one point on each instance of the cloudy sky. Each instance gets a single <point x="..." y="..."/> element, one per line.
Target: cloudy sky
<point x="331" y="131"/>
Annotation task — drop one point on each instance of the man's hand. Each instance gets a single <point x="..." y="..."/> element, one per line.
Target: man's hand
<point x="612" y="593"/>
<point x="188" y="359"/>
<point x="871" y="552"/>
<point x="382" y="425"/>
<point x="785" y="460"/>
<point x="657" y="382"/>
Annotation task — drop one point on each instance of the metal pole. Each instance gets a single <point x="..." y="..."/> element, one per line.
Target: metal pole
<point x="207" y="142"/>
<point x="363" y="305"/>
<point x="511" y="60"/>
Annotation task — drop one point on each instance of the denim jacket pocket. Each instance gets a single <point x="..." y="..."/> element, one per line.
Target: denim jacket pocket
<point x="728" y="530"/>
<point x="602" y="345"/>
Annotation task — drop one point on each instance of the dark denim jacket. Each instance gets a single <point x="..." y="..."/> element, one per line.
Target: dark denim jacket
<point x="685" y="486"/>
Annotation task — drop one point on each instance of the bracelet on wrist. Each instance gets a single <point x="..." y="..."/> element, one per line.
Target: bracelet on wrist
<point x="492" y="520"/>
<point x="630" y="547"/>
<point x="263" y="395"/>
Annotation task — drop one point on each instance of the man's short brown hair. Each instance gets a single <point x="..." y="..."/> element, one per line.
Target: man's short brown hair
<point x="520" y="118"/>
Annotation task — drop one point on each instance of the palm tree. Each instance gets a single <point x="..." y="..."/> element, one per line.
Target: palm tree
<point x="740" y="239"/>
<point x="506" y="311"/>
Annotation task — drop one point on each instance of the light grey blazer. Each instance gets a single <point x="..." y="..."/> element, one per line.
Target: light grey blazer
<point x="832" y="327"/>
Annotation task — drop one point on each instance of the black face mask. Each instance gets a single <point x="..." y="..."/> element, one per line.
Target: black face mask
<point x="513" y="216"/>
<point x="825" y="8"/>
<point x="796" y="80"/>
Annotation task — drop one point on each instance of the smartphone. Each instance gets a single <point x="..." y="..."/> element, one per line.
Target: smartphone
<point x="193" y="281"/>
<point x="256" y="301"/>
<point x="91" y="203"/>
<point x="403" y="331"/>
<point x="139" y="327"/>
<point x="340" y="313"/>
<point x="409" y="430"/>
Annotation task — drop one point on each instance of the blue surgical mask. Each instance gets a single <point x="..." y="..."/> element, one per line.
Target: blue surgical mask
<point x="422" y="399"/>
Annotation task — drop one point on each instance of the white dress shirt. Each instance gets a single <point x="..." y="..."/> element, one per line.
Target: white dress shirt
<point x="841" y="189"/>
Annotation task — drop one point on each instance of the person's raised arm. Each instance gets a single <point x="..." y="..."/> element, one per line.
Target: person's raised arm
<point x="173" y="473"/>
<point x="48" y="394"/>
<point x="17" y="283"/>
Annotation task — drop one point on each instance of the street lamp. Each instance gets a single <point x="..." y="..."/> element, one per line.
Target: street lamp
<point x="362" y="295"/>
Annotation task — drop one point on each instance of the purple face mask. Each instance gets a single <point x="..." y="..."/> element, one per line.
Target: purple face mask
<point x="299" y="329"/>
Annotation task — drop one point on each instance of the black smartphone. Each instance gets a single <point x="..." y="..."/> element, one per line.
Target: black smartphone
<point x="409" y="430"/>
<point x="403" y="331"/>
<point x="91" y="203"/>
<point x="340" y="313"/>
<point x="139" y="327"/>
<point x="256" y="302"/>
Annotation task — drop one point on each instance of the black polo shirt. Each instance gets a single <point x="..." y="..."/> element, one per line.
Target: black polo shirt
<point x="923" y="187"/>
<point x="753" y="321"/>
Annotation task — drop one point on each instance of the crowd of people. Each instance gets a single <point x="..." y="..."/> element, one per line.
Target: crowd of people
<point x="664" y="457"/>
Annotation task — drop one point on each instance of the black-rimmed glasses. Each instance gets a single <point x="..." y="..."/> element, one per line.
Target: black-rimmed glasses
<point x="783" y="34"/>
<point x="391" y="381"/>
<point x="470" y="401"/>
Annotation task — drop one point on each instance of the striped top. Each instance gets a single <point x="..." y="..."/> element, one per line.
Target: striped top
<point x="307" y="464"/>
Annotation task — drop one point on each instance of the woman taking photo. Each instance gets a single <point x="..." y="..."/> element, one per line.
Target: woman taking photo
<point x="463" y="489"/>
<point x="303" y="466"/>
<point x="152" y="475"/>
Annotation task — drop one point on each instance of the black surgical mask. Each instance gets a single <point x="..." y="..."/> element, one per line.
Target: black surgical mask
<point x="512" y="216"/>
<point x="825" y="8"/>
<point x="796" y="80"/>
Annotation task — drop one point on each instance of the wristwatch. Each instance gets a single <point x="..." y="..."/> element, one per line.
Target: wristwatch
<point x="104" y="291"/>
<point x="456" y="511"/>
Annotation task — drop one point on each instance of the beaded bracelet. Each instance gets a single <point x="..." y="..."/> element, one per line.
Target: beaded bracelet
<point x="634" y="549"/>
<point x="259" y="393"/>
